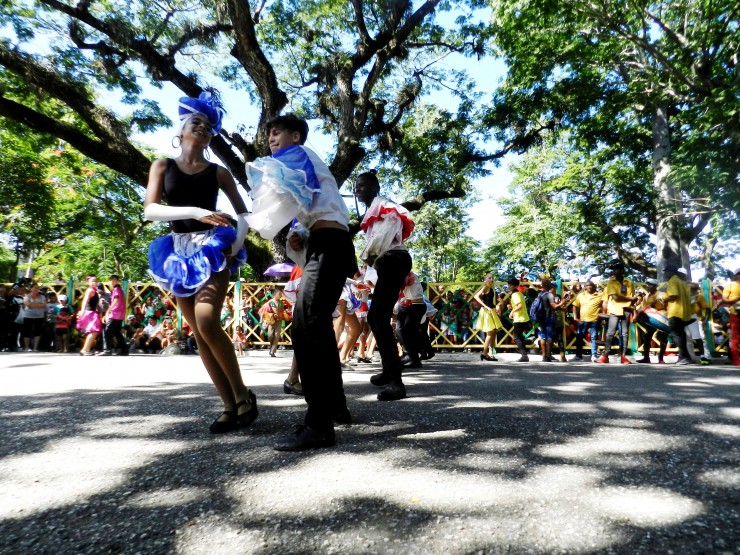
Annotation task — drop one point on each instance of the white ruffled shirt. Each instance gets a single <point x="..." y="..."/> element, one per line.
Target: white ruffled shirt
<point x="386" y="233"/>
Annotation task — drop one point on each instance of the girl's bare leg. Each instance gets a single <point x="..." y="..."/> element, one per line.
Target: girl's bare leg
<point x="203" y="313"/>
<point x="90" y="341"/>
<point x="352" y="334"/>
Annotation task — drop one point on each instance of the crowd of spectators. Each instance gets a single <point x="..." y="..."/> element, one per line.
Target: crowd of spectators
<point x="35" y="318"/>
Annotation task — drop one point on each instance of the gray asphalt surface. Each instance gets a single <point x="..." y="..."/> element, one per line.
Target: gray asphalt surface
<point x="112" y="455"/>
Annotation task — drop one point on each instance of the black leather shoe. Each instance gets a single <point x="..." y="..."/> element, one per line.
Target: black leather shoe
<point x="523" y="358"/>
<point x="223" y="426"/>
<point x="380" y="379"/>
<point x="392" y="392"/>
<point x="342" y="416"/>
<point x="306" y="438"/>
<point x="412" y="364"/>
<point x="246" y="418"/>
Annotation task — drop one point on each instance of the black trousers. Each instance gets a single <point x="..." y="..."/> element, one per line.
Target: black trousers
<point x="519" y="328"/>
<point x="330" y="259"/>
<point x="425" y="343"/>
<point x="678" y="333"/>
<point x="647" y="341"/>
<point x="409" y="320"/>
<point x="392" y="268"/>
<point x="112" y="332"/>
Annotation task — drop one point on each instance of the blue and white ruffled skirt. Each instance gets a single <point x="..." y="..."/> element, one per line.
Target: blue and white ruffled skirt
<point x="183" y="262"/>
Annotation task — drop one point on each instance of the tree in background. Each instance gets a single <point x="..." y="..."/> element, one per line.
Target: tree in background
<point x="654" y="84"/>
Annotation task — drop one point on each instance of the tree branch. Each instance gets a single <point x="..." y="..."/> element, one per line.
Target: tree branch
<point x="126" y="160"/>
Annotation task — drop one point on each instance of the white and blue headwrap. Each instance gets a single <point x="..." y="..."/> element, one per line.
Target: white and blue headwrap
<point x="205" y="105"/>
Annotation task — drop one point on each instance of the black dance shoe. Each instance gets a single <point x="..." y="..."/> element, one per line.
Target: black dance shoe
<point x="304" y="438"/>
<point x="412" y="364"/>
<point x="392" y="392"/>
<point x="223" y="426"/>
<point x="295" y="388"/>
<point x="246" y="418"/>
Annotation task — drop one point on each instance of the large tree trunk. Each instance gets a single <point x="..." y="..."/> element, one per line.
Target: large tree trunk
<point x="670" y="249"/>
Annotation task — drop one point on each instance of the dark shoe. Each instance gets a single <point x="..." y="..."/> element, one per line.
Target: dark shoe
<point x="430" y="354"/>
<point x="306" y="438"/>
<point x="295" y="388"/>
<point x="272" y="355"/>
<point x="342" y="416"/>
<point x="412" y="364"/>
<point x="223" y="426"/>
<point x="489" y="358"/>
<point x="104" y="354"/>
<point x="643" y="360"/>
<point x="380" y="379"/>
<point x="246" y="418"/>
<point x="365" y="360"/>
<point x="523" y="358"/>
<point x="392" y="392"/>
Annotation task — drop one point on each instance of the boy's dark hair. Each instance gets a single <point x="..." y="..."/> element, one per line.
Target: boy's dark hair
<point x="290" y="122"/>
<point x="114" y="276"/>
<point x="64" y="309"/>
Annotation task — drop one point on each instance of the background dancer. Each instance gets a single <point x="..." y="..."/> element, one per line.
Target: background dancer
<point x="195" y="260"/>
<point x="386" y="225"/>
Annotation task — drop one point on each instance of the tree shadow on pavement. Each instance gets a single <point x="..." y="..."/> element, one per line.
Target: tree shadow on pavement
<point x="479" y="458"/>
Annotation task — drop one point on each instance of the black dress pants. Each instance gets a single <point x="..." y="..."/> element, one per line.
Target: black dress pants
<point x="392" y="269"/>
<point x="409" y="321"/>
<point x="678" y="333"/>
<point x="330" y="259"/>
<point x="111" y="333"/>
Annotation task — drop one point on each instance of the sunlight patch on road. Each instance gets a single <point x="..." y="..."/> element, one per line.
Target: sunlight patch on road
<point x="573" y="387"/>
<point x="720" y="430"/>
<point x="553" y="508"/>
<point x="75" y="469"/>
<point x="721" y="478"/>
<point x="442" y="434"/>
<point x="167" y="497"/>
<point x="611" y="441"/>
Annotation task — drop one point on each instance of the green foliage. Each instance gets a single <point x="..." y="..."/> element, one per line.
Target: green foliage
<point x="26" y="206"/>
<point x="439" y="247"/>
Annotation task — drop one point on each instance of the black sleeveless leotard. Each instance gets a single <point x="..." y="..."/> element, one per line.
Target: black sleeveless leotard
<point x="182" y="189"/>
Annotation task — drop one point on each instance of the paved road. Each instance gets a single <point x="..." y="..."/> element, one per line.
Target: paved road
<point x="112" y="455"/>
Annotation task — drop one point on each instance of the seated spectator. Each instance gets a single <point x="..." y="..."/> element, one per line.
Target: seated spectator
<point x="169" y="333"/>
<point x="149" y="339"/>
<point x="239" y="340"/>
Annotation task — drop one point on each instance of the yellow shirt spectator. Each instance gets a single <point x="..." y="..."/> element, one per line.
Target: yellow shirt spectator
<point x="732" y="294"/>
<point x="519" y="312"/>
<point x="624" y="288"/>
<point x="589" y="306"/>
<point x="681" y="306"/>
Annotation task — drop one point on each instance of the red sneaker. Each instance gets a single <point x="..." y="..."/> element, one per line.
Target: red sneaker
<point x="603" y="359"/>
<point x="625" y="360"/>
